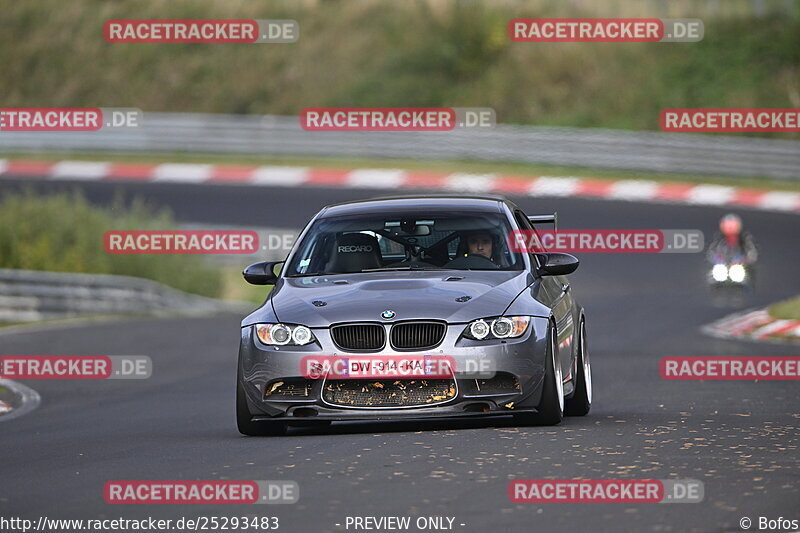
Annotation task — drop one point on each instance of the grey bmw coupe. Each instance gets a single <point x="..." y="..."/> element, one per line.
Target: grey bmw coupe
<point x="409" y="308"/>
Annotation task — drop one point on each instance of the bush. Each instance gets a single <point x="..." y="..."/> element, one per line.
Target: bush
<point x="64" y="233"/>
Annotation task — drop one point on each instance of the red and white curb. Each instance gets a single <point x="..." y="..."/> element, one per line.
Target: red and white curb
<point x="24" y="400"/>
<point x="755" y="325"/>
<point x="365" y="178"/>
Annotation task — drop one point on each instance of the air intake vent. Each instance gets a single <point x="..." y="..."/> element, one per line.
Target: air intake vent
<point x="288" y="388"/>
<point x="417" y="335"/>
<point x="359" y="337"/>
<point x="388" y="393"/>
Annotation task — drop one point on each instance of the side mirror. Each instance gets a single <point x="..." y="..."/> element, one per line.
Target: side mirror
<point x="261" y="273"/>
<point x="557" y="264"/>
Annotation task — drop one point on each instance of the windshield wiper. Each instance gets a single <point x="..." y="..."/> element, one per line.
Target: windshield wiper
<point x="389" y="269"/>
<point x="381" y="269"/>
<point x="307" y="274"/>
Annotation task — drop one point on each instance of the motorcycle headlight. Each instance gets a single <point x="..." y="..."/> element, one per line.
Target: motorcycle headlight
<point x="284" y="334"/>
<point x="737" y="273"/>
<point x="719" y="272"/>
<point x="503" y="327"/>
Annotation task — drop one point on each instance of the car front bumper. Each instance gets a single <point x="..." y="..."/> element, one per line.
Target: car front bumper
<point x="522" y="360"/>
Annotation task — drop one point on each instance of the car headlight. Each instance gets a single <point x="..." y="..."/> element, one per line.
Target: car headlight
<point x="479" y="329"/>
<point x="719" y="272"/>
<point x="502" y="327"/>
<point x="284" y="334"/>
<point x="737" y="273"/>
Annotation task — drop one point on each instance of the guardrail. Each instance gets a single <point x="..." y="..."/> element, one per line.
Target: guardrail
<point x="282" y="136"/>
<point x="28" y="296"/>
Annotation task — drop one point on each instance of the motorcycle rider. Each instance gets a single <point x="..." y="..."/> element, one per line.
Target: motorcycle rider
<point x="732" y="244"/>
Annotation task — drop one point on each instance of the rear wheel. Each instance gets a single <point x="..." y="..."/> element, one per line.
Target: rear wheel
<point x="581" y="401"/>
<point x="245" y="423"/>
<point x="551" y="406"/>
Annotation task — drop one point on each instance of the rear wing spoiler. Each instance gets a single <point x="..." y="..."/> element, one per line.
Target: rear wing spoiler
<point x="544" y="219"/>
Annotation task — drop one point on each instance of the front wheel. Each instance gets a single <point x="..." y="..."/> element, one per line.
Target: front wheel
<point x="551" y="407"/>
<point x="581" y="401"/>
<point x="244" y="420"/>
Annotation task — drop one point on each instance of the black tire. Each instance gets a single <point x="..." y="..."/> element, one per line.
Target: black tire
<point x="581" y="401"/>
<point x="245" y="422"/>
<point x="550" y="408"/>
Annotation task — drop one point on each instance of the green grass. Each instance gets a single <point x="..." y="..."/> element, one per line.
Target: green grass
<point x="64" y="233"/>
<point x="478" y="167"/>
<point x="420" y="53"/>
<point x="786" y="310"/>
<point x="234" y="287"/>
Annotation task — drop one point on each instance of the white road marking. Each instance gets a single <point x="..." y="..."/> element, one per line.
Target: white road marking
<point x="780" y="200"/>
<point x="376" y="178"/>
<point x="79" y="170"/>
<point x="710" y="195"/>
<point x="479" y="183"/>
<point x="182" y="173"/>
<point x="548" y="186"/>
<point x="633" y="190"/>
<point x="280" y="176"/>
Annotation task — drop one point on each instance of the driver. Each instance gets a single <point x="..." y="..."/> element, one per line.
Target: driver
<point x="480" y="243"/>
<point x="477" y="249"/>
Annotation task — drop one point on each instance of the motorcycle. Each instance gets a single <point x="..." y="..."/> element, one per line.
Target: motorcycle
<point x="730" y="277"/>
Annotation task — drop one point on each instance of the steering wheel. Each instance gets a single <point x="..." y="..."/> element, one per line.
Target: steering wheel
<point x="470" y="262"/>
<point x="482" y="258"/>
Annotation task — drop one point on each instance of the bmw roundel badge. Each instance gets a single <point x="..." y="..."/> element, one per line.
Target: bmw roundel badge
<point x="388" y="314"/>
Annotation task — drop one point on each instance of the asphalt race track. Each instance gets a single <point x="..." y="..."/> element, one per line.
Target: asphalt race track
<point x="739" y="438"/>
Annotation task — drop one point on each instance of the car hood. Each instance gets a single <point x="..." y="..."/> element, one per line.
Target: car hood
<point x="453" y="296"/>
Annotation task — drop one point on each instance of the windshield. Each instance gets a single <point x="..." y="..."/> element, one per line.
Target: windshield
<point x="370" y="243"/>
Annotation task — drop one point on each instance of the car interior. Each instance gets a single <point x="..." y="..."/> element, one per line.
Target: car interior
<point x="363" y="245"/>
